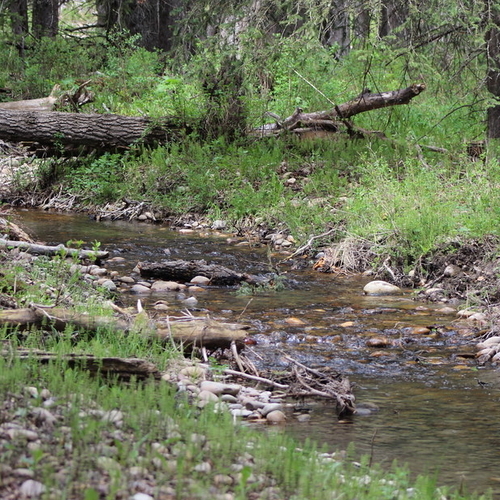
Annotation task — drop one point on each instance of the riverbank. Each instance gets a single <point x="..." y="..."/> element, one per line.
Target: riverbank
<point x="124" y="440"/>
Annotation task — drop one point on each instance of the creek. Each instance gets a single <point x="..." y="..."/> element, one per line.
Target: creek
<point x="423" y="399"/>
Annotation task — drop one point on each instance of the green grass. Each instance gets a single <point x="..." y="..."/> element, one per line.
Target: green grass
<point x="159" y="433"/>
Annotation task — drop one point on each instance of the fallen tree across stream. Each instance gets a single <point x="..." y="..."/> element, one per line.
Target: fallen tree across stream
<point x="111" y="131"/>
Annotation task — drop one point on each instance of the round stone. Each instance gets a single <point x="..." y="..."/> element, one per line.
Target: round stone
<point x="381" y="288"/>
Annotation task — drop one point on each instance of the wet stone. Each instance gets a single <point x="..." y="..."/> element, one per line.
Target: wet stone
<point x="276" y="417"/>
<point x="378" y="342"/>
<point x="166" y="286"/>
<point x="140" y="289"/>
<point x="378" y="287"/>
<point x="219" y="388"/>
<point x="269" y="408"/>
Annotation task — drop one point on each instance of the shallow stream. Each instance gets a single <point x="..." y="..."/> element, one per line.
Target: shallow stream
<point x="435" y="409"/>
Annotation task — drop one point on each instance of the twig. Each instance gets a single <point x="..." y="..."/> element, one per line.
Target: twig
<point x="310" y="370"/>
<point x="385" y="265"/>
<point x="234" y="350"/>
<point x="372" y="443"/>
<point x="314" y="87"/>
<point x="246" y="307"/>
<point x="254" y="377"/>
<point x="305" y="247"/>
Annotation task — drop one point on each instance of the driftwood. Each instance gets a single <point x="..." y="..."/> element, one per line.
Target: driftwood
<point x="183" y="270"/>
<point x="310" y="382"/>
<point x="124" y="368"/>
<point x="188" y="332"/>
<point x="336" y="118"/>
<point x="54" y="250"/>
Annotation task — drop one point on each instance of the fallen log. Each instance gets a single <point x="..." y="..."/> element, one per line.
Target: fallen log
<point x="56" y="99"/>
<point x="123" y="368"/>
<point x="91" y="130"/>
<point x="54" y="250"/>
<point x="185" y="271"/>
<point x="337" y="117"/>
<point x="110" y="132"/>
<point x="189" y="332"/>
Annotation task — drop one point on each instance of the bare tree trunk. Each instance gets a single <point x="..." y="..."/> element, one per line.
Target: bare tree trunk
<point x="393" y="14"/>
<point x="493" y="72"/>
<point x="45" y="21"/>
<point x="19" y="22"/>
<point x="336" y="29"/>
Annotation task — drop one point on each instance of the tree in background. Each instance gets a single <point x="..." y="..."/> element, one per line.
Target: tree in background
<point x="493" y="71"/>
<point x="45" y="18"/>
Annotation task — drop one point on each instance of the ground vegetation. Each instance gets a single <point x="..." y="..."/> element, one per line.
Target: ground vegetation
<point x="426" y="185"/>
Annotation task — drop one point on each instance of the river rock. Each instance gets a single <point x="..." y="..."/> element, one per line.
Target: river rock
<point x="141" y="496"/>
<point x="207" y="396"/>
<point x="166" y="286"/>
<point x="276" y="417"/>
<point x="219" y="388"/>
<point x="378" y="342"/>
<point x="378" y="287"/>
<point x="269" y="408"/>
<point x="200" y="280"/>
<point x="108" y="285"/>
<point x="140" y="289"/>
<point x="294" y="321"/>
<point x="195" y="372"/>
<point x="190" y="302"/>
<point x="420" y="330"/>
<point x="491" y="342"/>
<point x="31" y="488"/>
<point x="452" y="270"/>
<point x="126" y="279"/>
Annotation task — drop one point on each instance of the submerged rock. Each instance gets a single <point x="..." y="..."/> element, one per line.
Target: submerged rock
<point x="381" y="288"/>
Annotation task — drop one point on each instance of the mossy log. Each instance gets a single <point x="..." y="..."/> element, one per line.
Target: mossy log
<point x="188" y="332"/>
<point x="94" y="131"/>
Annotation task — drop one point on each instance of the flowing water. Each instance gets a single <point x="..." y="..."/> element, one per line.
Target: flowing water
<point x="422" y="399"/>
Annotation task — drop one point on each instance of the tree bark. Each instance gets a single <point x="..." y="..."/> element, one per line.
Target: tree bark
<point x="19" y="23"/>
<point x="45" y="18"/>
<point x="92" y="130"/>
<point x="124" y="368"/>
<point x="54" y="250"/>
<point x="493" y="72"/>
<point x="190" y="332"/>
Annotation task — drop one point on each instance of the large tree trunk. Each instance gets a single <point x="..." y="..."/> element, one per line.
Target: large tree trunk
<point x="19" y="22"/>
<point x="45" y="18"/>
<point x="91" y="130"/>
